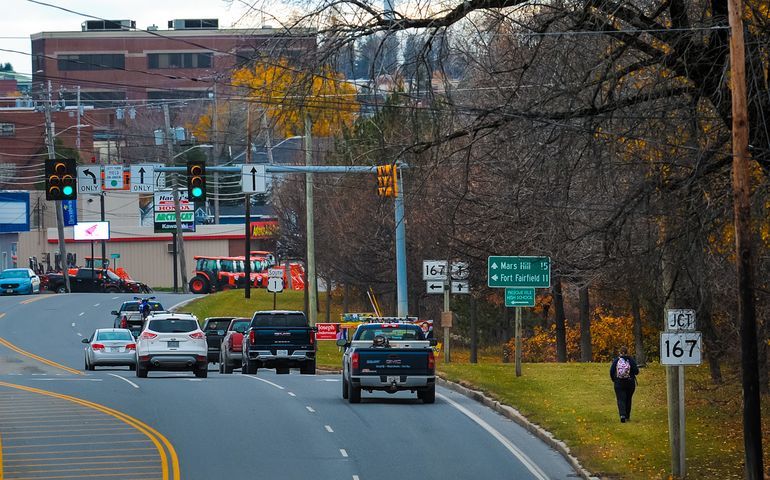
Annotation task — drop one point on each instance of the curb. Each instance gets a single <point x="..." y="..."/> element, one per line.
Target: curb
<point x="181" y="304"/>
<point x="515" y="416"/>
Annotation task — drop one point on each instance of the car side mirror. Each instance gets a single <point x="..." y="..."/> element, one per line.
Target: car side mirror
<point x="433" y="342"/>
<point x="342" y="342"/>
<point x="85" y="340"/>
<point x="114" y="312"/>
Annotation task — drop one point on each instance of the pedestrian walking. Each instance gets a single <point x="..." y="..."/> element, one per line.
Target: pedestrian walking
<point x="623" y="373"/>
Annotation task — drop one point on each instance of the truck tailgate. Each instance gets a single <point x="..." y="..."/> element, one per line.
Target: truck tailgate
<point x="393" y="362"/>
<point x="282" y="337"/>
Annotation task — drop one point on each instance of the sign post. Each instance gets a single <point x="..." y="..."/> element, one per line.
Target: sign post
<point x="443" y="276"/>
<point x="274" y="282"/>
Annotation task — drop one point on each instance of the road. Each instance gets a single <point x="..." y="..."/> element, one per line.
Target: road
<point x="57" y="421"/>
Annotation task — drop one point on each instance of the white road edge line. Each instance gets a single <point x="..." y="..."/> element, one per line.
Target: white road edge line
<point x="115" y="298"/>
<point x="267" y="382"/>
<point x="310" y="409"/>
<point x="343" y="452"/>
<point x="328" y="428"/>
<point x="292" y="394"/>
<point x="124" y="379"/>
<point x="523" y="458"/>
<point x="67" y="379"/>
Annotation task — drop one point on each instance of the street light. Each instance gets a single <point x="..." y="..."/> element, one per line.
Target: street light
<point x="205" y="145"/>
<point x="269" y="148"/>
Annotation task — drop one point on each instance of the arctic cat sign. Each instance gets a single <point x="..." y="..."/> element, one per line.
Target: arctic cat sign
<point x="165" y="217"/>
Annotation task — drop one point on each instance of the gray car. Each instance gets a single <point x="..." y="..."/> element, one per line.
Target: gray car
<point x="110" y="347"/>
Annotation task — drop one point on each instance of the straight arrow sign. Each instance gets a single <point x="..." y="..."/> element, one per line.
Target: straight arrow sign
<point x="253" y="179"/>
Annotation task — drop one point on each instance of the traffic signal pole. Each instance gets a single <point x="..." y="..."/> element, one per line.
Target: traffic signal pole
<point x="59" y="213"/>
<point x="179" y="235"/>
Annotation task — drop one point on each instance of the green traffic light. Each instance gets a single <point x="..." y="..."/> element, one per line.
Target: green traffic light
<point x="67" y="191"/>
<point x="197" y="192"/>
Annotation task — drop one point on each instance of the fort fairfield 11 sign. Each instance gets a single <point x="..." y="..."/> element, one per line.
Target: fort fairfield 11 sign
<point x="165" y="217"/>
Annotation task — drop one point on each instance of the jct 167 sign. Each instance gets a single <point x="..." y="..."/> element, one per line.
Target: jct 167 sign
<point x="165" y="216"/>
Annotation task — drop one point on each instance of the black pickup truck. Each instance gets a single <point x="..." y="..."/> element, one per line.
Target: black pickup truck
<point x="279" y="339"/>
<point x="388" y="357"/>
<point x="90" y="280"/>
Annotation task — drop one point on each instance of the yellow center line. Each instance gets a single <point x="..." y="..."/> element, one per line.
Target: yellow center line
<point x="156" y="437"/>
<point x="38" y="358"/>
<point x="33" y="299"/>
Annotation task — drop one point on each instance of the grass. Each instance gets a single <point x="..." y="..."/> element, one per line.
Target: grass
<point x="576" y="402"/>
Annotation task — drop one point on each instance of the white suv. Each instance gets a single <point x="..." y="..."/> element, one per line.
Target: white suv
<point x="171" y="341"/>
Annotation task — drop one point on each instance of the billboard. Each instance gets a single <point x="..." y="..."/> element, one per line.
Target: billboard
<point x="164" y="216"/>
<point x="14" y="212"/>
<point x="91" y="231"/>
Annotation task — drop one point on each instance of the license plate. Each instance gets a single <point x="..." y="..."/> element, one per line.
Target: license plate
<point x="10" y="290"/>
<point x="282" y="353"/>
<point x="115" y="349"/>
<point x="392" y="379"/>
<point x="173" y="344"/>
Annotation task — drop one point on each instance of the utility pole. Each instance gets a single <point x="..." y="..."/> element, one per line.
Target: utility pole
<point x="752" y="424"/>
<point x="215" y="155"/>
<point x="402" y="294"/>
<point x="312" y="308"/>
<point x="59" y="213"/>
<point x="177" y="213"/>
<point x="247" y="218"/>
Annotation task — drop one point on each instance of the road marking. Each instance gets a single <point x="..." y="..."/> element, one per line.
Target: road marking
<point x="355" y="477"/>
<point x="523" y="458"/>
<point x="96" y="304"/>
<point x="38" y="358"/>
<point x="2" y="315"/>
<point x="67" y="379"/>
<point x="34" y="299"/>
<point x="194" y="380"/>
<point x="124" y="379"/>
<point x="328" y="428"/>
<point x="267" y="382"/>
<point x="1" y="453"/>
<point x="343" y="452"/>
<point x="155" y="437"/>
<point x="81" y="314"/>
<point x="73" y="324"/>
<point x="329" y="380"/>
<point x="310" y="409"/>
<point x="292" y="394"/>
<point x="115" y="298"/>
<point x="80" y="334"/>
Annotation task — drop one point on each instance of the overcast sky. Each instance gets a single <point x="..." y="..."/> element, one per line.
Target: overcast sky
<point x="21" y="18"/>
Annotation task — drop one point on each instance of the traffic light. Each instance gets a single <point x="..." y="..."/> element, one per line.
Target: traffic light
<point x="387" y="181"/>
<point x="61" y="179"/>
<point x="196" y="180"/>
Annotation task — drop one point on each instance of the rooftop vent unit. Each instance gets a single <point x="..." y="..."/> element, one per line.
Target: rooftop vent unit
<point x="194" y="24"/>
<point x="101" y="25"/>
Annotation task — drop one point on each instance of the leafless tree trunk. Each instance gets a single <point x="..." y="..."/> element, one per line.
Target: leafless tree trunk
<point x="641" y="356"/>
<point x="561" y="330"/>
<point x="585" y="325"/>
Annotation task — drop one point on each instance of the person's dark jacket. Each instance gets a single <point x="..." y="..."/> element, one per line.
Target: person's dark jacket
<point x="634" y="370"/>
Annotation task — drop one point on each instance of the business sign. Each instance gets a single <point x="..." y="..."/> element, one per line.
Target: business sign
<point x="14" y="212"/>
<point x="680" y="348"/>
<point x="70" y="210"/>
<point x="264" y="229"/>
<point x="519" y="297"/>
<point x="90" y="179"/>
<point x="327" y="331"/>
<point x="92" y="231"/>
<point x="142" y="178"/>
<point x="532" y="272"/>
<point x="113" y="177"/>
<point x="165" y="215"/>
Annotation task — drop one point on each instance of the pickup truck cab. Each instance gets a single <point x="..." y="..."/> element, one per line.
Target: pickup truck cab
<point x="232" y="345"/>
<point x="279" y="339"/>
<point x="128" y="315"/>
<point x="390" y="357"/>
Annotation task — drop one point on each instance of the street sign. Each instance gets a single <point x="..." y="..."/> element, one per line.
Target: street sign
<point x="461" y="287"/>
<point x="115" y="255"/>
<point x="275" y="285"/>
<point x="532" y="272"/>
<point x="142" y="178"/>
<point x="459" y="270"/>
<point x="680" y="348"/>
<point x="434" y="269"/>
<point x="519" y="297"/>
<point x="90" y="179"/>
<point x="164" y="215"/>
<point x="113" y="177"/>
<point x="435" y="286"/>
<point x="680" y="320"/>
<point x="253" y="178"/>
<point x="70" y="210"/>
<point x="275" y="273"/>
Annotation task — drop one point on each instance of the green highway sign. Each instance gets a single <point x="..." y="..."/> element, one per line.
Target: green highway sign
<point x="531" y="272"/>
<point x="115" y="255"/>
<point x="519" y="297"/>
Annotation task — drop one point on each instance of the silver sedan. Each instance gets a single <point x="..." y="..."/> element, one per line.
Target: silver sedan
<point x="110" y="347"/>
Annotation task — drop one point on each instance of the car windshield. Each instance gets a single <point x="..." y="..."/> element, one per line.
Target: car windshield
<point x="279" y="320"/>
<point x="218" y="324"/>
<point x="402" y="332"/>
<point x="112" y="276"/>
<point x="241" y="326"/>
<point x="15" y="273"/>
<point x="114" y="336"/>
<point x="134" y="306"/>
<point x="173" y="325"/>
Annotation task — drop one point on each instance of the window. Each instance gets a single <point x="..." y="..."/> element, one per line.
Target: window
<point x="173" y="325"/>
<point x="175" y="94"/>
<point x="279" y="320"/>
<point x="102" y="336"/>
<point x="7" y="129"/>
<point x="92" y="61"/>
<point x="178" y="60"/>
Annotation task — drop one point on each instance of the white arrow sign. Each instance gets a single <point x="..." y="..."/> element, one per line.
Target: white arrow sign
<point x="253" y="179"/>
<point x="142" y="178"/>
<point x="461" y="287"/>
<point x="435" y="286"/>
<point x="90" y="179"/>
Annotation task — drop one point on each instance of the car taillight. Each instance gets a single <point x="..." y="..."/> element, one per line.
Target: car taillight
<point x="354" y="361"/>
<point x="147" y="335"/>
<point x="124" y="322"/>
<point x="431" y="361"/>
<point x="251" y="337"/>
<point x="97" y="346"/>
<point x="197" y="335"/>
<point x="131" y="346"/>
<point x="312" y="338"/>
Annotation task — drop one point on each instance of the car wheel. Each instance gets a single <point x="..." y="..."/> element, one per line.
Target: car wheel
<point x="112" y="290"/>
<point x="344" y="388"/>
<point x="428" y="395"/>
<point x="354" y="393"/>
<point x="141" y="371"/>
<point x="308" y="368"/>
<point x="202" y="372"/>
<point x="61" y="289"/>
<point x="221" y="367"/>
<point x="226" y="366"/>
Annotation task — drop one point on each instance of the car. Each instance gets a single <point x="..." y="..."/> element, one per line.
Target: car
<point x="128" y="316"/>
<point x="112" y="347"/>
<point x="230" y="353"/>
<point x="215" y="328"/>
<point x="92" y="280"/>
<point x="171" y="341"/>
<point x="19" y="281"/>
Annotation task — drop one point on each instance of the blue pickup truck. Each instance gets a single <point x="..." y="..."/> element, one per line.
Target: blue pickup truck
<point x="389" y="357"/>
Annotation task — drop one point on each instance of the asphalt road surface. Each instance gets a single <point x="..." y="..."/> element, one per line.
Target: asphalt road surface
<point x="57" y="421"/>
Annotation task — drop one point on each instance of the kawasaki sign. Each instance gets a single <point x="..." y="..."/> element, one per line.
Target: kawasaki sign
<point x="165" y="217"/>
